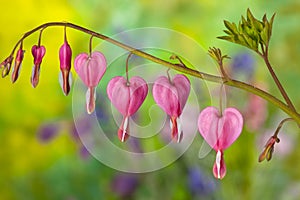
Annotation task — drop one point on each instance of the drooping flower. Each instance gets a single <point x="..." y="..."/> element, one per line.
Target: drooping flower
<point x="269" y="149"/>
<point x="65" y="57"/>
<point x="220" y="131"/>
<point x="17" y="66"/>
<point x="127" y="97"/>
<point x="171" y="96"/>
<point x="90" y="69"/>
<point x="38" y="53"/>
<point x="6" y="65"/>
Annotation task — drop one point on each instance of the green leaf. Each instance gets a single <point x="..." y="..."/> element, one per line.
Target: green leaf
<point x="227" y="38"/>
<point x="230" y="26"/>
<point x="250" y="17"/>
<point x="227" y="32"/>
<point x="265" y="35"/>
<point x="271" y="25"/>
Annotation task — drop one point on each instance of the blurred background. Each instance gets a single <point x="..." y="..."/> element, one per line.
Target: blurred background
<point x="42" y="157"/>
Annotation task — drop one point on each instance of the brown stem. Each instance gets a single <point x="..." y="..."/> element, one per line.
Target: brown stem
<point x="280" y="125"/>
<point x="127" y="76"/>
<point x="280" y="87"/>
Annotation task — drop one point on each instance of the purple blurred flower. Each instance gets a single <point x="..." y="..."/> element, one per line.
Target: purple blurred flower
<point x="125" y="184"/>
<point x="47" y="132"/>
<point x="243" y="63"/>
<point x="84" y="153"/>
<point x="198" y="183"/>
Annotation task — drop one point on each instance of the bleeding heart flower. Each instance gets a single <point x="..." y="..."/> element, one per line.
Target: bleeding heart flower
<point x="90" y="69"/>
<point x="17" y="66"/>
<point x="6" y="65"/>
<point x="127" y="97"/>
<point x="65" y="57"/>
<point x="38" y="53"/>
<point x="220" y="131"/>
<point x="171" y="96"/>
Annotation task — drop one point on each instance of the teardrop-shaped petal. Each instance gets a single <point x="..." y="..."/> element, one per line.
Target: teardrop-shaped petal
<point x="65" y="81"/>
<point x="219" y="168"/>
<point x="176" y="133"/>
<point x="183" y="87"/>
<point x="17" y="66"/>
<point x="171" y="97"/>
<point x="65" y="56"/>
<point x="90" y="100"/>
<point x="220" y="131"/>
<point x="127" y="98"/>
<point x="35" y="75"/>
<point x="90" y="69"/>
<point x="38" y="53"/>
<point x="123" y="132"/>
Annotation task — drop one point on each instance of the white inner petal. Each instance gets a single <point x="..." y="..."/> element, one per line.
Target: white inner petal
<point x="179" y="131"/>
<point x="32" y="72"/>
<point x="124" y="128"/>
<point x="60" y="79"/>
<point x="218" y="163"/>
<point x="171" y="124"/>
<point x="70" y="78"/>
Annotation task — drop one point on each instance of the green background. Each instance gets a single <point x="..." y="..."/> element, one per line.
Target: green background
<point x="31" y="169"/>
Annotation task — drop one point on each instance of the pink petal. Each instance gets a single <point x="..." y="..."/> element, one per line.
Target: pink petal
<point x="183" y="87"/>
<point x="127" y="98"/>
<point x="208" y="124"/>
<point x="65" y="56"/>
<point x="119" y="94"/>
<point x="90" y="69"/>
<point x="220" y="131"/>
<point x="166" y="96"/>
<point x="38" y="53"/>
<point x="138" y="92"/>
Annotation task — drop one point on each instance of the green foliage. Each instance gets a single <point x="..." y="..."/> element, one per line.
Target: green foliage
<point x="250" y="32"/>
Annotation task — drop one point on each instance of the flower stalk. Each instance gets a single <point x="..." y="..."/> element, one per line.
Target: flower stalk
<point x="290" y="110"/>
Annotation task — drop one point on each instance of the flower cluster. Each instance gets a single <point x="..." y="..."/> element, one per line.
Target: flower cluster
<point x="127" y="96"/>
<point x="219" y="127"/>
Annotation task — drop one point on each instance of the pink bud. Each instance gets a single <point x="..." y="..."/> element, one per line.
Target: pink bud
<point x="127" y="98"/>
<point x="171" y="96"/>
<point x="6" y="64"/>
<point x="18" y="62"/>
<point x="38" y="53"/>
<point x="220" y="132"/>
<point x="90" y="69"/>
<point x="65" y="57"/>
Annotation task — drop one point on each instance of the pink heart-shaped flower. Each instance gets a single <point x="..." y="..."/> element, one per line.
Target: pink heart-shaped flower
<point x="171" y="96"/>
<point x="220" y="131"/>
<point x="90" y="69"/>
<point x="127" y="97"/>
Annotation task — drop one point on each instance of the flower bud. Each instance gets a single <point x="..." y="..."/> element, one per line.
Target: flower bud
<point x="18" y="62"/>
<point x="38" y="53"/>
<point x="269" y="149"/>
<point x="65" y="57"/>
<point x="6" y="66"/>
